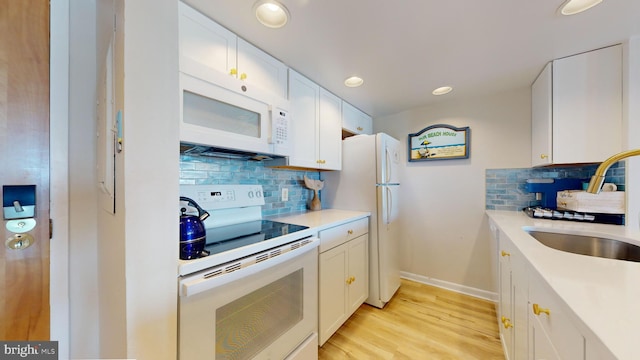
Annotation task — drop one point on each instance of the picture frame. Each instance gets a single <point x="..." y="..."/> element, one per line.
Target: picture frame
<point x="439" y="142"/>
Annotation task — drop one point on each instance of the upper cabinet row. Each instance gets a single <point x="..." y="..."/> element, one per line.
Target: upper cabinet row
<point x="576" y="109"/>
<point x="319" y="119"/>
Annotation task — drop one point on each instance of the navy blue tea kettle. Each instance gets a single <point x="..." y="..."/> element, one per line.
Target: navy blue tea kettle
<point x="193" y="235"/>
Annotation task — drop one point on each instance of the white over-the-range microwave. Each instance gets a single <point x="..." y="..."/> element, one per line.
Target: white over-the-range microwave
<point x="245" y="121"/>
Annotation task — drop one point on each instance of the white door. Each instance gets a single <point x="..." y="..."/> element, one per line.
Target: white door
<point x="388" y="159"/>
<point x="388" y="241"/>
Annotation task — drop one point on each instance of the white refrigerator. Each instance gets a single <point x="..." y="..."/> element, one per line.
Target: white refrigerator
<point x="369" y="182"/>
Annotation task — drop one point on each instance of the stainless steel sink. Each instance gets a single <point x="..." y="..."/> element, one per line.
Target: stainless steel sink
<point x="588" y="245"/>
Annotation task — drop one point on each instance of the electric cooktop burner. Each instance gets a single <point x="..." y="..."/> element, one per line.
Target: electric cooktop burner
<point x="225" y="238"/>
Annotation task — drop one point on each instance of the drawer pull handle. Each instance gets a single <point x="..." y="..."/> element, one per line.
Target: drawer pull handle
<point x="360" y="128"/>
<point x="538" y="310"/>
<point x="350" y="232"/>
<point x="543" y="156"/>
<point x="233" y="71"/>
<point x="351" y="279"/>
<point x="243" y="76"/>
<point x="506" y="322"/>
<point x="504" y="253"/>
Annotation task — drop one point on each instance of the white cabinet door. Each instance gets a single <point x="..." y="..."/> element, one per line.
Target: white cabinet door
<point x="258" y="68"/>
<point x="587" y="106"/>
<point x="330" y="131"/>
<point x="206" y="48"/>
<point x="332" y="307"/>
<point x="355" y="121"/>
<point x="520" y="304"/>
<point x="304" y="97"/>
<point x="597" y="351"/>
<point x="541" y="118"/>
<point x="540" y="347"/>
<point x="358" y="273"/>
<point x="505" y="306"/>
<point x="554" y="321"/>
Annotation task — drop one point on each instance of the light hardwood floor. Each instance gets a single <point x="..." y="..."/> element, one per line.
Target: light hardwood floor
<point x="420" y="322"/>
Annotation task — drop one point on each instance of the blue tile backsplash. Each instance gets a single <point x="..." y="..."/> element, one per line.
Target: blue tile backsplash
<point x="200" y="170"/>
<point x="505" y="188"/>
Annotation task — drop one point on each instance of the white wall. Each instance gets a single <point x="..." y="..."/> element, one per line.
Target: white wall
<point x="83" y="289"/>
<point x="149" y="177"/>
<point x="631" y="103"/>
<point x="445" y="236"/>
<point x="111" y="267"/>
<point x="59" y="210"/>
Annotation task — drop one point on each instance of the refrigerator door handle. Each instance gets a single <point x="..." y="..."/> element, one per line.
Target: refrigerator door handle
<point x="389" y="205"/>
<point x="388" y="165"/>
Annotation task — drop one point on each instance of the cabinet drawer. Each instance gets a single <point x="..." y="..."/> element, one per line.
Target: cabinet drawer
<point x="567" y="339"/>
<point x="340" y="234"/>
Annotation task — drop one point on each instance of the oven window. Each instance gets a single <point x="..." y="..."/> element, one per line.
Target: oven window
<point x="210" y="113"/>
<point x="249" y="324"/>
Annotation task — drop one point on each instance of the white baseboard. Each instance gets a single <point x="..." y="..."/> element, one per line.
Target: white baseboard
<point x="482" y="294"/>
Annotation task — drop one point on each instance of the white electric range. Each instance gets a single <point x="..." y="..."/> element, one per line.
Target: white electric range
<point x="255" y="294"/>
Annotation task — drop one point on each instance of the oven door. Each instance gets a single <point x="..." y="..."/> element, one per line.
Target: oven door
<point x="262" y="311"/>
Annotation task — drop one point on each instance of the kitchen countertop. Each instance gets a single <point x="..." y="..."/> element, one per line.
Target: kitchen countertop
<point x="603" y="293"/>
<point x="321" y="219"/>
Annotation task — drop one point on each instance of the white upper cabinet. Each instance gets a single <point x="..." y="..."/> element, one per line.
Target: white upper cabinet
<point x="212" y="53"/>
<point x="315" y="125"/>
<point x="304" y="99"/>
<point x="580" y="99"/>
<point x="541" y="115"/>
<point x="330" y="131"/>
<point x="354" y="121"/>
<point x="259" y="68"/>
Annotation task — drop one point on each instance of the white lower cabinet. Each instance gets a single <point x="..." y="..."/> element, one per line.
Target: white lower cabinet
<point x="344" y="274"/>
<point x="552" y="331"/>
<point x="512" y="311"/>
<point x="534" y="322"/>
<point x="541" y="346"/>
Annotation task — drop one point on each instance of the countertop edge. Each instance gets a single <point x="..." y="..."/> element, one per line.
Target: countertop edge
<point x="321" y="219"/>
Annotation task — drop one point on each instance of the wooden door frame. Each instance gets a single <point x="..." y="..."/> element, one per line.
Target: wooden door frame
<point x="59" y="181"/>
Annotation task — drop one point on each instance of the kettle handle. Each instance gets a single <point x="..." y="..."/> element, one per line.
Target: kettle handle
<point x="202" y="214"/>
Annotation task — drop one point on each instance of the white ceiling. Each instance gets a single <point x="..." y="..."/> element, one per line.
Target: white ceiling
<point x="404" y="49"/>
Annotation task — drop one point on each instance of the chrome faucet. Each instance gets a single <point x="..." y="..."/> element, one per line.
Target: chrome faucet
<point x="598" y="178"/>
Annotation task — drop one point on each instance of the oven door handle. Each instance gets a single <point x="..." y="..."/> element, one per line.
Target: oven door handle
<point x="197" y="283"/>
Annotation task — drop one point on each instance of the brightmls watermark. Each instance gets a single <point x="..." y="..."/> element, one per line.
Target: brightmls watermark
<point x="31" y="350"/>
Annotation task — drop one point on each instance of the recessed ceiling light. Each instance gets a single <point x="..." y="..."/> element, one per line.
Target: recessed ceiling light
<point x="571" y="7"/>
<point x="353" y="81"/>
<point x="271" y="13"/>
<point x="442" y="90"/>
